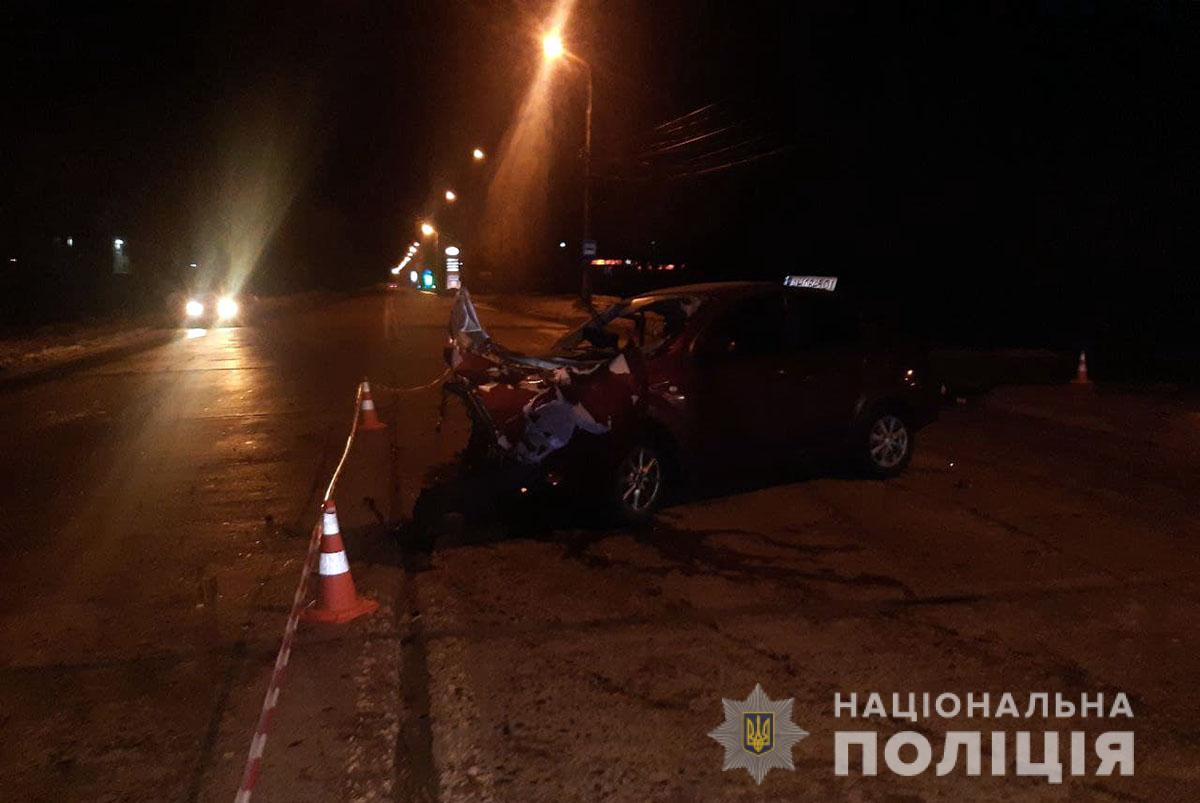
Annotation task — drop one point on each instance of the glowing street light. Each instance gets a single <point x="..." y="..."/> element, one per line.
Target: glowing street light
<point x="554" y="50"/>
<point x="478" y="154"/>
<point x="451" y="196"/>
<point x="428" y="230"/>
<point x="552" y="46"/>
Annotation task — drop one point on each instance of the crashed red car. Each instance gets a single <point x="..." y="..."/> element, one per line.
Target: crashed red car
<point x="688" y="382"/>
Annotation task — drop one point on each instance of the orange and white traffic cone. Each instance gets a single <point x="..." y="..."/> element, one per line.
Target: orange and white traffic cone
<point x="370" y="420"/>
<point x="337" y="599"/>
<point x="1081" y="376"/>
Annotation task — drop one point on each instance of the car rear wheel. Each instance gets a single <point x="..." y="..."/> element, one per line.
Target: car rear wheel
<point x="887" y="444"/>
<point x="640" y="483"/>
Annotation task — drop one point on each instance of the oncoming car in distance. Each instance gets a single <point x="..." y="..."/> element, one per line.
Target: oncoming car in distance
<point x="697" y="381"/>
<point x="204" y="310"/>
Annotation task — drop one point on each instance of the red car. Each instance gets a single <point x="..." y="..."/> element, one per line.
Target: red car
<point x="695" y="381"/>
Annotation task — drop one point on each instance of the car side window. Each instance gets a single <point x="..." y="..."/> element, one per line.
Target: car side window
<point x="753" y="327"/>
<point x="820" y="322"/>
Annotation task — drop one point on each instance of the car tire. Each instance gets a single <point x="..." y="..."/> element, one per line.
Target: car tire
<point x="639" y="483"/>
<point x="885" y="443"/>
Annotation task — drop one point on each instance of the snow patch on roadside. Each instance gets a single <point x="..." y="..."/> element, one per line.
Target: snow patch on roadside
<point x="29" y="353"/>
<point x="463" y="755"/>
<point x="464" y="773"/>
<point x="371" y="763"/>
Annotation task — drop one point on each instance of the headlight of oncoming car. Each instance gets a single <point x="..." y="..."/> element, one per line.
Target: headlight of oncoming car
<point x="193" y="308"/>
<point x="227" y="307"/>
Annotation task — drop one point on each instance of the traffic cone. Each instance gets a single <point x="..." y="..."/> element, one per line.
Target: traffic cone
<point x="337" y="600"/>
<point x="370" y="421"/>
<point x="1081" y="376"/>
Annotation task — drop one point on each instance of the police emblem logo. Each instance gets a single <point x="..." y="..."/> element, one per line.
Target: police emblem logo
<point x="758" y="734"/>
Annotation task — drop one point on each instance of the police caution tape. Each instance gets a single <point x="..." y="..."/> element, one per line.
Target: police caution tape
<point x="1046" y="753"/>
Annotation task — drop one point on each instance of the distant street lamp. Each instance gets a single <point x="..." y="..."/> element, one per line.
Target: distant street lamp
<point x="428" y="230"/>
<point x="552" y="45"/>
<point x="121" y="265"/>
<point x="553" y="49"/>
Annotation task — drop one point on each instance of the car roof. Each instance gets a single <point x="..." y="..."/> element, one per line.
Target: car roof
<point x="707" y="289"/>
<point x="729" y="290"/>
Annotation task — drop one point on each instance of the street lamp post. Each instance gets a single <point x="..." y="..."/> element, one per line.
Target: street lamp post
<point x="553" y="48"/>
<point x="585" y="281"/>
<point x="428" y="230"/>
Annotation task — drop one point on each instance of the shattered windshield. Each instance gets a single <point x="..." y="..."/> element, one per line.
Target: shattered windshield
<point x="651" y="324"/>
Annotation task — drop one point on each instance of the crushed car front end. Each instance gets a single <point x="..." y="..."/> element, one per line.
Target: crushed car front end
<point x="560" y="424"/>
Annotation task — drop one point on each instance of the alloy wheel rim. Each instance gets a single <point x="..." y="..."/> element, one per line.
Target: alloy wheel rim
<point x="888" y="442"/>
<point x="641" y="480"/>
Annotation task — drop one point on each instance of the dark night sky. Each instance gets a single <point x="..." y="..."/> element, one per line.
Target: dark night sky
<point x="1006" y="158"/>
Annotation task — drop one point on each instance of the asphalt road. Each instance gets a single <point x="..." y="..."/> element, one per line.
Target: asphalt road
<point x="157" y="510"/>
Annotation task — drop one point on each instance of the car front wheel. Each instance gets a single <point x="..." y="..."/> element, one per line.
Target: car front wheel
<point x="639" y="484"/>
<point x="887" y="444"/>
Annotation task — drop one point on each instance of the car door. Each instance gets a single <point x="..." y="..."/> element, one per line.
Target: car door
<point x="745" y="391"/>
<point x="825" y="365"/>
